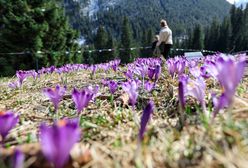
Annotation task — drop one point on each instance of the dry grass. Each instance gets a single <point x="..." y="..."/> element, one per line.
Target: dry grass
<point x="110" y="135"/>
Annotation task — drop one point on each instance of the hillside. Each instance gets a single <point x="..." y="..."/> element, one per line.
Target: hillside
<point x="126" y="123"/>
<point x="87" y="15"/>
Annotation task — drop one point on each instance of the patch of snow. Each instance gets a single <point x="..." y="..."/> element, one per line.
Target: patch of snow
<point x="81" y="41"/>
<point x="91" y="7"/>
<point x="94" y="6"/>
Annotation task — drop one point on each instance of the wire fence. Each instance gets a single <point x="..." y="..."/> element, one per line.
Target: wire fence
<point x="101" y="50"/>
<point x="28" y="54"/>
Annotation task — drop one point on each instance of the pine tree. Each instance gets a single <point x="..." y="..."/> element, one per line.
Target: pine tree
<point x="126" y="42"/>
<point x="101" y="43"/>
<point x="31" y="26"/>
<point x="207" y="37"/>
<point x="198" y="39"/>
<point x="144" y="38"/>
<point x="240" y="30"/>
<point x="237" y="28"/>
<point x="147" y="40"/>
<point x="101" y="38"/>
<point x="245" y="33"/>
<point x="214" y="34"/>
<point x="150" y="37"/>
<point x="234" y="26"/>
<point x="60" y="36"/>
<point x="88" y="55"/>
<point x="111" y="45"/>
<point x="190" y="40"/>
<point x="225" y="35"/>
<point x="143" y="52"/>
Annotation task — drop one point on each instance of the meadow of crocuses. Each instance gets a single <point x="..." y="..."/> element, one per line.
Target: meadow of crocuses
<point x="149" y="113"/>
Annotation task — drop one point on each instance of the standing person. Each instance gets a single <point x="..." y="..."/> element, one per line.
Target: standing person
<point x="155" y="49"/>
<point x="165" y="39"/>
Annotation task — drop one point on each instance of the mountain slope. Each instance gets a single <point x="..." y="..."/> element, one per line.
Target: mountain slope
<point x="143" y="14"/>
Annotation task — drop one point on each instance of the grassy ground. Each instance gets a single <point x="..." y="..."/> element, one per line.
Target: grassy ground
<point x="110" y="135"/>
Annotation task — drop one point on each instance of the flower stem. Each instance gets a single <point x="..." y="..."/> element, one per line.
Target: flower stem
<point x="135" y="117"/>
<point x="112" y="99"/>
<point x="204" y="109"/>
<point x="181" y="116"/>
<point x="229" y="113"/>
<point x="80" y="117"/>
<point x="138" y="150"/>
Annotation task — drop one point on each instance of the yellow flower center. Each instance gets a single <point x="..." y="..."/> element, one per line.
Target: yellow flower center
<point x="191" y="84"/>
<point x="2" y="113"/>
<point x="61" y="123"/>
<point x="222" y="89"/>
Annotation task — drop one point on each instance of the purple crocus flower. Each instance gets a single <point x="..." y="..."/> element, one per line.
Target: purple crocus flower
<point x="149" y="86"/>
<point x="141" y="70"/>
<point x="93" y="69"/>
<point x="105" y="66"/>
<point x="14" y="85"/>
<point x="196" y="89"/>
<point x="211" y="68"/>
<point x="192" y="63"/>
<point x="151" y="73"/>
<point x="176" y="66"/>
<point x="204" y="72"/>
<point x="21" y="75"/>
<point x="184" y="78"/>
<point x="58" y="140"/>
<point x="18" y="159"/>
<point x="8" y="120"/>
<point x="171" y="67"/>
<point x="105" y="82"/>
<point x="200" y="72"/>
<point x="55" y="95"/>
<point x="229" y="75"/>
<point x="138" y="82"/>
<point x="34" y="74"/>
<point x="180" y="66"/>
<point x="114" y="67"/>
<point x="81" y="98"/>
<point x="220" y="103"/>
<point x="113" y="86"/>
<point x="129" y="74"/>
<point x="145" y="118"/>
<point x="59" y="70"/>
<point x="181" y="90"/>
<point x="94" y="91"/>
<point x="131" y="88"/>
<point x="52" y="69"/>
<point x="157" y="72"/>
<point x="195" y="71"/>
